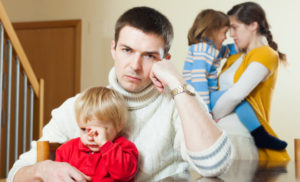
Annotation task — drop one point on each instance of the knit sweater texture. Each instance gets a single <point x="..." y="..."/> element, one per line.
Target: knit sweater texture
<point x="154" y="127"/>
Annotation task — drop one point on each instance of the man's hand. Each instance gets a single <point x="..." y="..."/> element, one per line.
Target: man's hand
<point x="50" y="171"/>
<point x="164" y="73"/>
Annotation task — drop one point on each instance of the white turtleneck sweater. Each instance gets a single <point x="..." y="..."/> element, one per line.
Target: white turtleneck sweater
<point x="155" y="128"/>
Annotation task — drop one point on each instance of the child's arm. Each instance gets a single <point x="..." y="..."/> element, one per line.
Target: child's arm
<point x="195" y="72"/>
<point x="187" y="68"/>
<point x="228" y="50"/>
<point x="121" y="159"/>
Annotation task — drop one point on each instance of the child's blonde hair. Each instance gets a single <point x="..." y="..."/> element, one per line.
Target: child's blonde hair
<point x="103" y="103"/>
<point x="205" y="24"/>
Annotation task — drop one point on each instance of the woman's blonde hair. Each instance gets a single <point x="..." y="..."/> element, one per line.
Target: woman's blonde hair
<point x="103" y="103"/>
<point x="205" y="24"/>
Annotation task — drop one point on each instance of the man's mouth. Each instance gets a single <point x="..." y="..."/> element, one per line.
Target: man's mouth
<point x="133" y="78"/>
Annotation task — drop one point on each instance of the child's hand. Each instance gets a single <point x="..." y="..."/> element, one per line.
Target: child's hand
<point x="99" y="134"/>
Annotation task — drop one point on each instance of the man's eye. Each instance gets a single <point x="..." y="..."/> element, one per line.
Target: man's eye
<point x="126" y="49"/>
<point x="149" y="56"/>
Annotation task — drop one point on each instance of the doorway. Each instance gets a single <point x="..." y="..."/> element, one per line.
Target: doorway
<point x="54" y="51"/>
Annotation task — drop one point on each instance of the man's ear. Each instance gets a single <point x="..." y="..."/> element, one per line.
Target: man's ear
<point x="113" y="49"/>
<point x="168" y="56"/>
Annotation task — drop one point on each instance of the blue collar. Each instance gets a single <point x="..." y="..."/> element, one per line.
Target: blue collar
<point x="209" y="42"/>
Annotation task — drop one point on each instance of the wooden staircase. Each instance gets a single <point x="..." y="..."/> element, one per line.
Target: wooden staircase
<point x="21" y="98"/>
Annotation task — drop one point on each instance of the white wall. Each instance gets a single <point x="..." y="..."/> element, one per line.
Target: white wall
<point x="99" y="17"/>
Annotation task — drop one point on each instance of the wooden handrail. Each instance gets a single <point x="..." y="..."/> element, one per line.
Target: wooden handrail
<point x="41" y="107"/>
<point x="37" y="87"/>
<point x="19" y="50"/>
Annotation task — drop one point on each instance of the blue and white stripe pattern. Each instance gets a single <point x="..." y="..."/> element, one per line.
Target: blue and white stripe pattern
<point x="201" y="64"/>
<point x="214" y="160"/>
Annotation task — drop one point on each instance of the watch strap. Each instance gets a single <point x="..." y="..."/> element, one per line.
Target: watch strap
<point x="181" y="89"/>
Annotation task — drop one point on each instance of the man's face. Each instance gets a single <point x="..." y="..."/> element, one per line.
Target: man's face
<point x="134" y="54"/>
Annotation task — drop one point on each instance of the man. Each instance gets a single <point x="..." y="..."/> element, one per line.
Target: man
<point x="170" y="126"/>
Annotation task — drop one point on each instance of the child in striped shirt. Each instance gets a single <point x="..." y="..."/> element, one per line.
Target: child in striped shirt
<point x="206" y="50"/>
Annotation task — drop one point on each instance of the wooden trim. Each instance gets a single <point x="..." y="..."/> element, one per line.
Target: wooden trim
<point x="42" y="150"/>
<point x="41" y="107"/>
<point x="2" y="180"/>
<point x="19" y="50"/>
<point x="46" y="24"/>
<point x="76" y="24"/>
<point x="46" y="150"/>
<point x="78" y="57"/>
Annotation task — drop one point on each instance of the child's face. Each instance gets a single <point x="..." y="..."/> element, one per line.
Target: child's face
<point x="96" y="133"/>
<point x="220" y="36"/>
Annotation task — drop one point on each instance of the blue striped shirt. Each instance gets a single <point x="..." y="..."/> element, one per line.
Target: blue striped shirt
<point x="201" y="64"/>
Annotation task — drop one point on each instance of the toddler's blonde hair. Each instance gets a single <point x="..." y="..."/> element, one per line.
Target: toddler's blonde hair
<point x="103" y="103"/>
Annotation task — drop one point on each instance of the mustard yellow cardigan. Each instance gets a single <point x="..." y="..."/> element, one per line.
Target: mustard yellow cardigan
<point x="260" y="98"/>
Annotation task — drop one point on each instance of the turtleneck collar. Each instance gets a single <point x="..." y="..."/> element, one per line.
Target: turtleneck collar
<point x="134" y="100"/>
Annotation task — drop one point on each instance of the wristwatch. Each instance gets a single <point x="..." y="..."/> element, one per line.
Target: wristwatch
<point x="189" y="89"/>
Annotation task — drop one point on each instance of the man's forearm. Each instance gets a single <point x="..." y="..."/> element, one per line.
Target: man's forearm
<point x="200" y="132"/>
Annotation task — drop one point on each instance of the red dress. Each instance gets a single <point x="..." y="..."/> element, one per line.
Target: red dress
<point x="115" y="161"/>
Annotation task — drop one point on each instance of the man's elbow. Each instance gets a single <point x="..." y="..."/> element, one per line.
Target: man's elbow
<point x="217" y="161"/>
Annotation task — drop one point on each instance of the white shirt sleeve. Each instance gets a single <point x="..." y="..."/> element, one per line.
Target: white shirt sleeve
<point x="252" y="76"/>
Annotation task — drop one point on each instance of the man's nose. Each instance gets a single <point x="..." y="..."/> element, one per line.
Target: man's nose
<point x="136" y="63"/>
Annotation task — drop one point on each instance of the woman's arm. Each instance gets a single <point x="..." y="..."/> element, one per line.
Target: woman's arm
<point x="252" y="76"/>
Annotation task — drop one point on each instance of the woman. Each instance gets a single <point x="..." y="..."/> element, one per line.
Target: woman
<point x="249" y="75"/>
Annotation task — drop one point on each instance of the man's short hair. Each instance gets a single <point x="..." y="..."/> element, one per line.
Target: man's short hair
<point x="103" y="103"/>
<point x="147" y="20"/>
